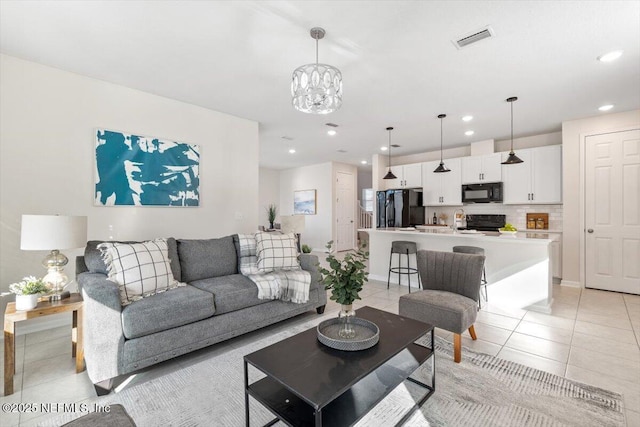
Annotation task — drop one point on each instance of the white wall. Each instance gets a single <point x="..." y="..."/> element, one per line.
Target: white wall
<point x="318" y="228"/>
<point x="48" y="119"/>
<point x="573" y="135"/>
<point x="268" y="193"/>
<point x="365" y="180"/>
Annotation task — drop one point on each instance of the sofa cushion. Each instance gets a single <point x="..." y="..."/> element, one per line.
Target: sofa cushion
<point x="140" y="269"/>
<point x="167" y="310"/>
<point x="231" y="293"/>
<point x="205" y="258"/>
<point x="95" y="264"/>
<point x="276" y="252"/>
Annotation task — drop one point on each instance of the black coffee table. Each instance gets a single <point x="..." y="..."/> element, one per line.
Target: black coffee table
<point x="309" y="384"/>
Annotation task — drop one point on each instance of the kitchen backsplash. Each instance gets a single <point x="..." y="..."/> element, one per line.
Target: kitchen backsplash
<point x="516" y="214"/>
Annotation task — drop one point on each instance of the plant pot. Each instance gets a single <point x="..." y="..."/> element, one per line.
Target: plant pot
<point x="271" y="226"/>
<point x="26" y="302"/>
<point x="346" y="315"/>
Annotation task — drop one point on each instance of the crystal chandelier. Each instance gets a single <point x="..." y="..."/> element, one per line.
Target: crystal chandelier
<point x="316" y="88"/>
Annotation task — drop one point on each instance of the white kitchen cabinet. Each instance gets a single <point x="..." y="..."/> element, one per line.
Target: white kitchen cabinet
<point x="442" y="189"/>
<point x="407" y="176"/>
<point x="537" y="180"/>
<point x="556" y="258"/>
<point x="481" y="169"/>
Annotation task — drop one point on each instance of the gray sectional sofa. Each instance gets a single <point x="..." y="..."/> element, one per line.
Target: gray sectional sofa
<point x="217" y="304"/>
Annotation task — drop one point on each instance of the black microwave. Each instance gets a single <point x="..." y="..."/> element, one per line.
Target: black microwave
<point x="482" y="193"/>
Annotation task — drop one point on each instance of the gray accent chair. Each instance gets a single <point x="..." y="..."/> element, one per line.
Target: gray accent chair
<point x="449" y="299"/>
<point x="217" y="304"/>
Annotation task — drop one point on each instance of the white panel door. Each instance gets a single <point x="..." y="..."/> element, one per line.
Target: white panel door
<point x="612" y="211"/>
<point x="345" y="211"/>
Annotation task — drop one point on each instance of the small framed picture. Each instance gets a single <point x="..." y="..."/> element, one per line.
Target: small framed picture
<point x="304" y="202"/>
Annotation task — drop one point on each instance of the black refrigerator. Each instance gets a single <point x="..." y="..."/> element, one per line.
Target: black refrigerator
<point x="399" y="208"/>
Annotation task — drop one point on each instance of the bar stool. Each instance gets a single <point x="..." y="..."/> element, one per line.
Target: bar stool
<point x="474" y="250"/>
<point x="401" y="247"/>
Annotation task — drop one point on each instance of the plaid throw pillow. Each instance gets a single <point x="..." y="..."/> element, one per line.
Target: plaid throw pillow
<point x="276" y="252"/>
<point x="140" y="269"/>
<point x="248" y="259"/>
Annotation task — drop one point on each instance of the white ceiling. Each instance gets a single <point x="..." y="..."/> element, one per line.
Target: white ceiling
<point x="399" y="65"/>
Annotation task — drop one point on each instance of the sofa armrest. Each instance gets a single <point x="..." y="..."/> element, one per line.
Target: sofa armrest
<point x="309" y="263"/>
<point x="103" y="335"/>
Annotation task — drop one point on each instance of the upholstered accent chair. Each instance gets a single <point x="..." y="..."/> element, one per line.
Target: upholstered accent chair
<point x="449" y="299"/>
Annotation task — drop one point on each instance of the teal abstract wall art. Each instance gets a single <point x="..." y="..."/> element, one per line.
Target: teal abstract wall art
<point x="135" y="170"/>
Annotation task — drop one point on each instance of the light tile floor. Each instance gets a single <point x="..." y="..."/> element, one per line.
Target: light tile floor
<point x="591" y="336"/>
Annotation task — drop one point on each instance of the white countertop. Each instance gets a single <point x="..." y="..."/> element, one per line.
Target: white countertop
<point x="532" y="236"/>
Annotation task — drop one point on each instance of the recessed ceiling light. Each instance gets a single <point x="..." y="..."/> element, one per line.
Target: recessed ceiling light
<point x="331" y="132"/>
<point x="469" y="132"/>
<point x="364" y="162"/>
<point x="292" y="150"/>
<point x="610" y="56"/>
<point x="383" y="148"/>
<point x="606" y="107"/>
<point x="467" y="118"/>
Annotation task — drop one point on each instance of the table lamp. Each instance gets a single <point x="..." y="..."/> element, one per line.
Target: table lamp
<point x="53" y="232"/>
<point x="293" y="224"/>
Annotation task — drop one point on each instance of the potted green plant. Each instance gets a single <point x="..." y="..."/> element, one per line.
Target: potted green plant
<point x="27" y="292"/>
<point x="272" y="211"/>
<point x="345" y="278"/>
<point x="306" y="249"/>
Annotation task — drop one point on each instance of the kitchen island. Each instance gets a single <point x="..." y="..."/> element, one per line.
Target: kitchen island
<point x="518" y="266"/>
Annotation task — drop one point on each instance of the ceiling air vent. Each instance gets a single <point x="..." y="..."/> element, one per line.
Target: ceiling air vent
<point x="473" y="37"/>
<point x="395" y="145"/>
<point x="333" y="125"/>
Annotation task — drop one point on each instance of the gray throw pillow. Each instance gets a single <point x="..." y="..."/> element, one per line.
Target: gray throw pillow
<point x="205" y="258"/>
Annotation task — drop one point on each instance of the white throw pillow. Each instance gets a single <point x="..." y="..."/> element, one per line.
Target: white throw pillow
<point x="248" y="259"/>
<point x="140" y="269"/>
<point x="276" y="252"/>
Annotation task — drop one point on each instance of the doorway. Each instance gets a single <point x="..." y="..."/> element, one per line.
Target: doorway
<point x="612" y="211"/>
<point x="345" y="212"/>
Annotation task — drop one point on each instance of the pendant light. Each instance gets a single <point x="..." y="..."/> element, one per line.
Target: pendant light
<point x="316" y="88"/>
<point x="441" y="167"/>
<point x="512" y="159"/>
<point x="389" y="174"/>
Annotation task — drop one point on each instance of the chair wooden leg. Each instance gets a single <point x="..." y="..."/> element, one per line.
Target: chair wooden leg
<point x="457" y="348"/>
<point x="472" y="332"/>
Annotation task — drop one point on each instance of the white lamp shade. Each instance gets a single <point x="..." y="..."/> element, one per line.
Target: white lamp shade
<point x="48" y="232"/>
<point x="292" y="224"/>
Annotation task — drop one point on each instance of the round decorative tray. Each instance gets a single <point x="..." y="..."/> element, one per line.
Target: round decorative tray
<point x="367" y="334"/>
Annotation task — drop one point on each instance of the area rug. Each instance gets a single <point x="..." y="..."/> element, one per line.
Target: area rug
<point x="206" y="389"/>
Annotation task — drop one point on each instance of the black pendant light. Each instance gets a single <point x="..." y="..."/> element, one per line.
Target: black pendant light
<point x="389" y="174"/>
<point x="512" y="159"/>
<point x="441" y="167"/>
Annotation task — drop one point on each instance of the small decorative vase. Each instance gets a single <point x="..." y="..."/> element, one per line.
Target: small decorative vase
<point x="26" y="302"/>
<point x="270" y="226"/>
<point x="346" y="315"/>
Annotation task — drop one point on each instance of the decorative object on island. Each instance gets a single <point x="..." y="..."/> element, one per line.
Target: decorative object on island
<point x="441" y="167"/>
<point x="53" y="232"/>
<point x="512" y="159"/>
<point x="345" y="278"/>
<point x="272" y="212"/>
<point x="27" y="292"/>
<point x="316" y="88"/>
<point x="304" y="202"/>
<point x="143" y="170"/>
<point x="389" y="174"/>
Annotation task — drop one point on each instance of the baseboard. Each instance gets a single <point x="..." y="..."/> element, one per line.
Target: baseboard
<point x="570" y="284"/>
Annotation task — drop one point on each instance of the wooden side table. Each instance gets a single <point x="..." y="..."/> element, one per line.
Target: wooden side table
<point x="11" y="317"/>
